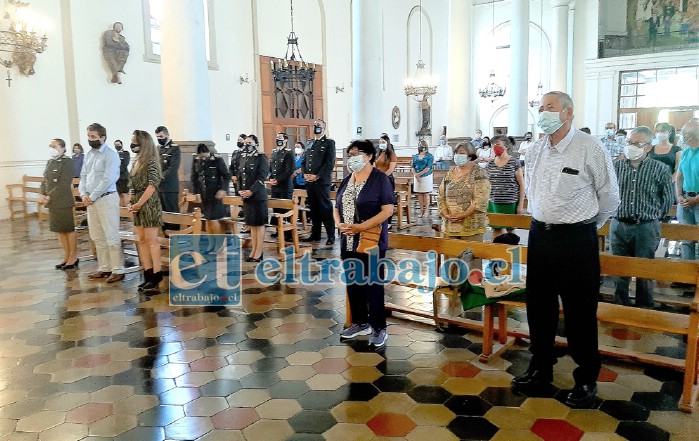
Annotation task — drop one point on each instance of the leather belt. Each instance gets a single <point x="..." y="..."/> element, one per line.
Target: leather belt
<point x="627" y="220"/>
<point x="691" y="194"/>
<point x="552" y="227"/>
<point x="107" y="194"/>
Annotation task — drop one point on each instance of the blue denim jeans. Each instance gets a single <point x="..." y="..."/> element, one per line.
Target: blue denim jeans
<point x="634" y="240"/>
<point x="688" y="216"/>
<point x="442" y="165"/>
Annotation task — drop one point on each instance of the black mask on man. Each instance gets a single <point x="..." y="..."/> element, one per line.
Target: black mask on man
<point x="95" y="144"/>
<point x="280" y="143"/>
<point x="240" y="144"/>
<point x="317" y="130"/>
<point x="162" y="141"/>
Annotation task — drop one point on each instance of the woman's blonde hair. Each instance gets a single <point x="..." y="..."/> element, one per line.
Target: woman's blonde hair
<point x="146" y="153"/>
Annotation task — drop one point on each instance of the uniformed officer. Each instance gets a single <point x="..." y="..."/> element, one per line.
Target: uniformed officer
<point x="123" y="181"/>
<point x="235" y="160"/>
<point x="318" y="164"/>
<point x="169" y="188"/>
<point x="252" y="173"/>
<point x="210" y="180"/>
<point x="281" y="168"/>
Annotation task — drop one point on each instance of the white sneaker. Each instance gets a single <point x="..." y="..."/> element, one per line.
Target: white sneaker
<point x="356" y="330"/>
<point x="378" y="338"/>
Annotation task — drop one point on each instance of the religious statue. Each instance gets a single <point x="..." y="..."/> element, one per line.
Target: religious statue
<point x="115" y="50"/>
<point x="426" y="128"/>
<point x="24" y="60"/>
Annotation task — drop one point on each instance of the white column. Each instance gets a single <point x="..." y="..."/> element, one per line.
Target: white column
<point x="367" y="63"/>
<point x="185" y="75"/>
<point x="519" y="70"/>
<point x="461" y="106"/>
<point x="559" y="45"/>
<point x="584" y="48"/>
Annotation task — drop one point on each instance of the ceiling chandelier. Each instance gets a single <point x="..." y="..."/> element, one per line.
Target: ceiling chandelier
<point x="536" y="101"/>
<point x="19" y="40"/>
<point x="422" y="84"/>
<point x="290" y="68"/>
<point x="492" y="90"/>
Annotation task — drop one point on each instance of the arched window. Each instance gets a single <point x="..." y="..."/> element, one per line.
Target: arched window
<point x="152" y="15"/>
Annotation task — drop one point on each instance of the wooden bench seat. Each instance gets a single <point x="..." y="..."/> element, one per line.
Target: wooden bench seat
<point x="23" y="194"/>
<point x="663" y="269"/>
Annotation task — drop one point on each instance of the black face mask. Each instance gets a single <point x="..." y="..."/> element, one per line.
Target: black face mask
<point x="249" y="148"/>
<point x="317" y="130"/>
<point x="240" y="144"/>
<point x="95" y="144"/>
<point x="118" y="147"/>
<point x="280" y="143"/>
<point x="135" y="148"/>
<point x="420" y="149"/>
<point x="527" y="138"/>
<point x="162" y="141"/>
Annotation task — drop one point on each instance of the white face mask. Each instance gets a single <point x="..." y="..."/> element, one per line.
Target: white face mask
<point x="298" y="150"/>
<point x="356" y="163"/>
<point x="609" y="132"/>
<point x="550" y="122"/>
<point x="460" y="159"/>
<point x="633" y="152"/>
<point x="662" y="136"/>
<point x="383" y="146"/>
<point x="53" y="152"/>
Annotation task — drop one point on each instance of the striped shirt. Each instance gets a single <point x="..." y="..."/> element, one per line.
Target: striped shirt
<point x="571" y="182"/>
<point x="646" y="191"/>
<point x="504" y="188"/>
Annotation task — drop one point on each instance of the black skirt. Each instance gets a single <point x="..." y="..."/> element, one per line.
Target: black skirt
<point x="256" y="213"/>
<point x="61" y="220"/>
<point x="213" y="208"/>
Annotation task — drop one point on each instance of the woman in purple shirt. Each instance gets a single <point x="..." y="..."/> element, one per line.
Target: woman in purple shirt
<point x="364" y="200"/>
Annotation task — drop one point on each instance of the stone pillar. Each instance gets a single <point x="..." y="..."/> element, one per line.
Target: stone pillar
<point x="185" y="78"/>
<point x="367" y="62"/>
<point x="519" y="71"/>
<point x="559" y="45"/>
<point x="461" y="102"/>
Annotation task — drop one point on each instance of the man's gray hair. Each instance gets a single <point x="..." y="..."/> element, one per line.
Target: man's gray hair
<point x="691" y="128"/>
<point x="644" y="131"/>
<point x="563" y="98"/>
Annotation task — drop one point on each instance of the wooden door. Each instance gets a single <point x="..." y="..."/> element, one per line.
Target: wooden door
<point x="292" y="113"/>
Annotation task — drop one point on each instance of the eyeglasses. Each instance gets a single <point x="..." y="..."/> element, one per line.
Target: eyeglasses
<point x="637" y="144"/>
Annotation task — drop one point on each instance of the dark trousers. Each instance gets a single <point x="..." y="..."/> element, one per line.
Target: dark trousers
<point x="169" y="201"/>
<point x="366" y="302"/>
<point x="281" y="191"/>
<point x="321" y="209"/>
<point x="564" y="261"/>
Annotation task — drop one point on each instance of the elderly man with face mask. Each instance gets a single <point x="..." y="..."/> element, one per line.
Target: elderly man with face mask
<point x="572" y="189"/>
<point x="645" y="187"/>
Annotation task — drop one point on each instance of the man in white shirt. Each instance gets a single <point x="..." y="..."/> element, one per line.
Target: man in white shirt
<point x="572" y="189"/>
<point x="443" y="154"/>
<point x="524" y="146"/>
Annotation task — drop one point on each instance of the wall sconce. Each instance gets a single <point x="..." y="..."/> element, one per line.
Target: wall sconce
<point x="244" y="80"/>
<point x="339" y="89"/>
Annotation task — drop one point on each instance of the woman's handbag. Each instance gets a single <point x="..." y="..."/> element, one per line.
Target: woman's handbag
<point x="369" y="239"/>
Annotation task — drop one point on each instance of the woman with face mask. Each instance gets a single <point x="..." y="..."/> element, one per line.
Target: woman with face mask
<point x="485" y="153"/>
<point x="422" y="176"/>
<point x="78" y="158"/>
<point x="664" y="150"/>
<point x="252" y="174"/>
<point x="386" y="158"/>
<point x="299" y="182"/>
<point x="235" y="160"/>
<point x="364" y="201"/>
<point x="506" y="183"/>
<point x="57" y="195"/>
<point x="463" y="197"/>
<point x="144" y="178"/>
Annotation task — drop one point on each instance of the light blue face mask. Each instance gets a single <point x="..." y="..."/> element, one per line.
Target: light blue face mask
<point x="609" y="132"/>
<point x="460" y="159"/>
<point x="355" y="163"/>
<point x="549" y="122"/>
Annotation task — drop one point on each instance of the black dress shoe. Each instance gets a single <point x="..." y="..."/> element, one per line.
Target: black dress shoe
<point x="59" y="265"/>
<point x="311" y="239"/>
<point x="252" y="259"/>
<point x="330" y="241"/>
<point x="582" y="396"/>
<point x="71" y="266"/>
<point x="533" y="379"/>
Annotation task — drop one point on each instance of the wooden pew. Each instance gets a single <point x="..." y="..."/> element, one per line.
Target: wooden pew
<point x="189" y="223"/>
<point x="666" y="270"/>
<point x="300" y="197"/>
<point x="287" y="221"/>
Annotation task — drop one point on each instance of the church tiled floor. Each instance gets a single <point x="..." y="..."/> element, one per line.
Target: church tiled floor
<point x="84" y="360"/>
